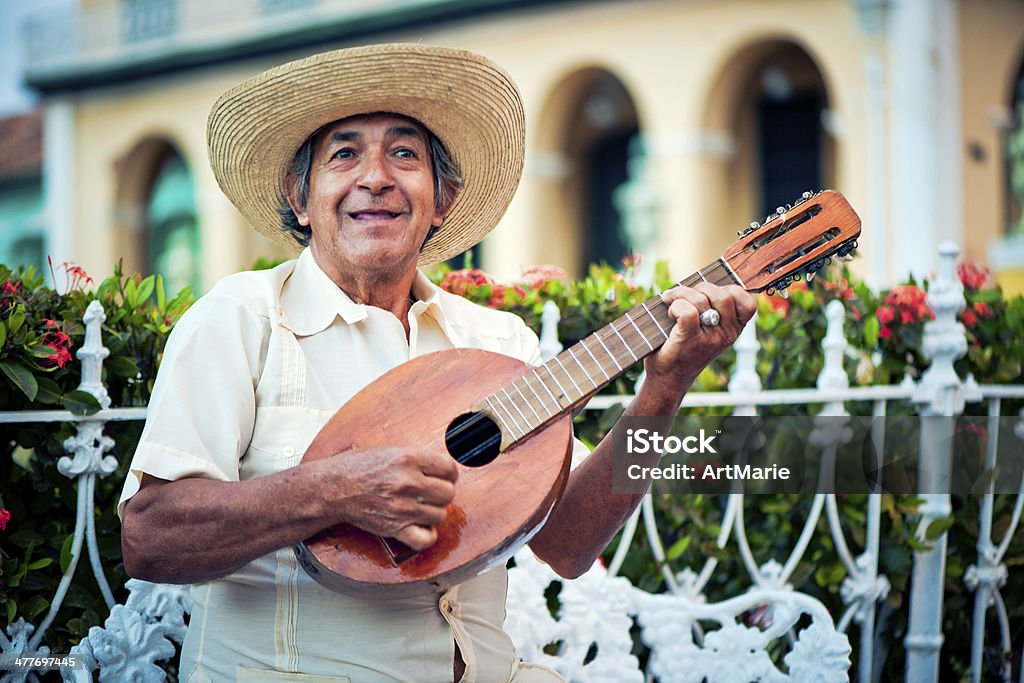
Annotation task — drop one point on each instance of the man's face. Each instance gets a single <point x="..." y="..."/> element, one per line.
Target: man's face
<point x="371" y="196"/>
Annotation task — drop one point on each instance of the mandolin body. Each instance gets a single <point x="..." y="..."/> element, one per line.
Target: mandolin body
<point x="497" y="506"/>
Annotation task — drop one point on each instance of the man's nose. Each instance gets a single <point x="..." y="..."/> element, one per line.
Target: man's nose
<point x="374" y="174"/>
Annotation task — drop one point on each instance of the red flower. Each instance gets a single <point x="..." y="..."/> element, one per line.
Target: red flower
<point x="885" y="314"/>
<point x="982" y="309"/>
<point x="972" y="275"/>
<point x="884" y="333"/>
<point x="462" y="281"/>
<point x="5" y="517"/>
<point x="57" y="339"/>
<point x="778" y="304"/>
<point x="842" y="288"/>
<point x="10" y="287"/>
<point x="969" y="318"/>
<point x="909" y="301"/>
<point x="75" y="276"/>
<point x="498" y="293"/>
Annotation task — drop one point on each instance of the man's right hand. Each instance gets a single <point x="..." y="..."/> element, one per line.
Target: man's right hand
<point x="393" y="492"/>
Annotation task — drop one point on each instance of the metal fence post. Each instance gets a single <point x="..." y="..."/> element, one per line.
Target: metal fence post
<point x="939" y="400"/>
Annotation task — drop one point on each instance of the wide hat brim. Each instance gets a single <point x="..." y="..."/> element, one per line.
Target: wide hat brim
<point x="466" y="100"/>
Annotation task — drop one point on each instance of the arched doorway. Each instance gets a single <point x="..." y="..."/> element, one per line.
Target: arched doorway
<point x="772" y="101"/>
<point x="157" y="221"/>
<point x="588" y="125"/>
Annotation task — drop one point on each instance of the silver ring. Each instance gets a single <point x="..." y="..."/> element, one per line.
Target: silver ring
<point x="710" y="318"/>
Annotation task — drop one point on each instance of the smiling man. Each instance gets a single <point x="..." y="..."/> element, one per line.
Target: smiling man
<point x="369" y="162"/>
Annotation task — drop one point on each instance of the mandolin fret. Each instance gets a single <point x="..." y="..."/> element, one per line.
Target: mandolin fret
<point x="579" y="371"/>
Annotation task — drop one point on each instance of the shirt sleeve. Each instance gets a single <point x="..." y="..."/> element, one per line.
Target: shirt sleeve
<point x="202" y="411"/>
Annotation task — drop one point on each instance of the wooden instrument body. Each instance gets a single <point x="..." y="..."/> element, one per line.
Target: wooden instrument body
<point x="497" y="507"/>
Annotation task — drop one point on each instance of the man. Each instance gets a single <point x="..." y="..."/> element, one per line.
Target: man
<point x="385" y="157"/>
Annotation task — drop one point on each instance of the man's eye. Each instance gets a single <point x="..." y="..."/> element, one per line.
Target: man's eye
<point x="344" y="153"/>
<point x="405" y="153"/>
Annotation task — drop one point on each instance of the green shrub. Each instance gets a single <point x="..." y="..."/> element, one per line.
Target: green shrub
<point x="40" y="328"/>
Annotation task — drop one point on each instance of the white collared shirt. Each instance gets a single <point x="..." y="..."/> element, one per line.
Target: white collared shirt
<point x="250" y="374"/>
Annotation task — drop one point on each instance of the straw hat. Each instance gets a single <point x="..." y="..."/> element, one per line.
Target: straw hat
<point x="467" y="101"/>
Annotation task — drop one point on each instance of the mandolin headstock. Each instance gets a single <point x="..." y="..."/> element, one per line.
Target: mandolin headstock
<point x="797" y="240"/>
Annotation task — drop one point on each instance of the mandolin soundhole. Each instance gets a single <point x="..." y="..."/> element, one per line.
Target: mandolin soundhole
<point x="473" y="439"/>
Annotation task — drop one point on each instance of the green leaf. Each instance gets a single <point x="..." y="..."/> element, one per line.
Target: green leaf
<point x="41" y="350"/>
<point x="40" y="563"/>
<point x="121" y="366"/>
<point x="49" y="391"/>
<point x="36" y="606"/>
<point x="145" y="289"/>
<point x="16" y="319"/>
<point x="21" y="376"/>
<point x="81" y="402"/>
<point x="871" y="329"/>
<point x="65" y="553"/>
<point x="937" y="528"/>
<point x="131" y="294"/>
<point x="12" y="609"/>
<point x="3" y="333"/>
<point x="161" y="296"/>
<point x="678" y="548"/>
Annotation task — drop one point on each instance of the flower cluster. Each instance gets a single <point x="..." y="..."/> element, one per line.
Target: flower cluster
<point x="472" y="282"/>
<point x="536" y="277"/>
<point x="972" y="275"/>
<point x="59" y="341"/>
<point x="971" y="315"/>
<point x="5" y="517"/>
<point x="75" y="277"/>
<point x="904" y="305"/>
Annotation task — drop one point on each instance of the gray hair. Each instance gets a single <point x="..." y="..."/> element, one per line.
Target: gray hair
<point x="448" y="181"/>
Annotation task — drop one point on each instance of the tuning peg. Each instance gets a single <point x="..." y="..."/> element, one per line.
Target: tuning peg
<point x="810" y="275"/>
<point x="779" y="210"/>
<point x="784" y="293"/>
<point x="846" y="258"/>
<point x="753" y="226"/>
<point x="806" y="195"/>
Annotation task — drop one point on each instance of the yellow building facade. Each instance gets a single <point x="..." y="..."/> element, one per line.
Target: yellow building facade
<point x="712" y="111"/>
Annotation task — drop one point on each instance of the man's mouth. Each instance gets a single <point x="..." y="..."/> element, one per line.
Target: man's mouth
<point x="373" y="214"/>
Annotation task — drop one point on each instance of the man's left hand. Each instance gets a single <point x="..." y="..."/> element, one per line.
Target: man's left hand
<point x="691" y="344"/>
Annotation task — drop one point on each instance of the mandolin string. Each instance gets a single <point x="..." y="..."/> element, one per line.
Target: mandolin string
<point x="645" y="325"/>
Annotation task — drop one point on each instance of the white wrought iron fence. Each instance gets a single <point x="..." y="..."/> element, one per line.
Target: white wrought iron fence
<point x="590" y="639"/>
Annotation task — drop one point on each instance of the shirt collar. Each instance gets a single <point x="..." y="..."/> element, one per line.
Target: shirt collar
<point x="433" y="301"/>
<point x="311" y="300"/>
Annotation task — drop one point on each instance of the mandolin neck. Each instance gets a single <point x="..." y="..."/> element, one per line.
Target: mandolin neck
<point x="568" y="380"/>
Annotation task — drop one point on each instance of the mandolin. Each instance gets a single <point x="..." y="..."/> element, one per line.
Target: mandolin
<point x="508" y="424"/>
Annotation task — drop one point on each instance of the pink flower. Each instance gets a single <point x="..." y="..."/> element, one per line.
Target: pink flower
<point x="462" y="281"/>
<point x="536" y="277"/>
<point x="5" y="517"/>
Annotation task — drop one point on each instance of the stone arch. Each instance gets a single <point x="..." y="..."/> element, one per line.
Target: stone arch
<point x="155" y="217"/>
<point x="586" y="124"/>
<point x="769" y="97"/>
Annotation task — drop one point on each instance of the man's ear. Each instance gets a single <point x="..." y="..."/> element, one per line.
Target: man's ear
<point x="291" y="182"/>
